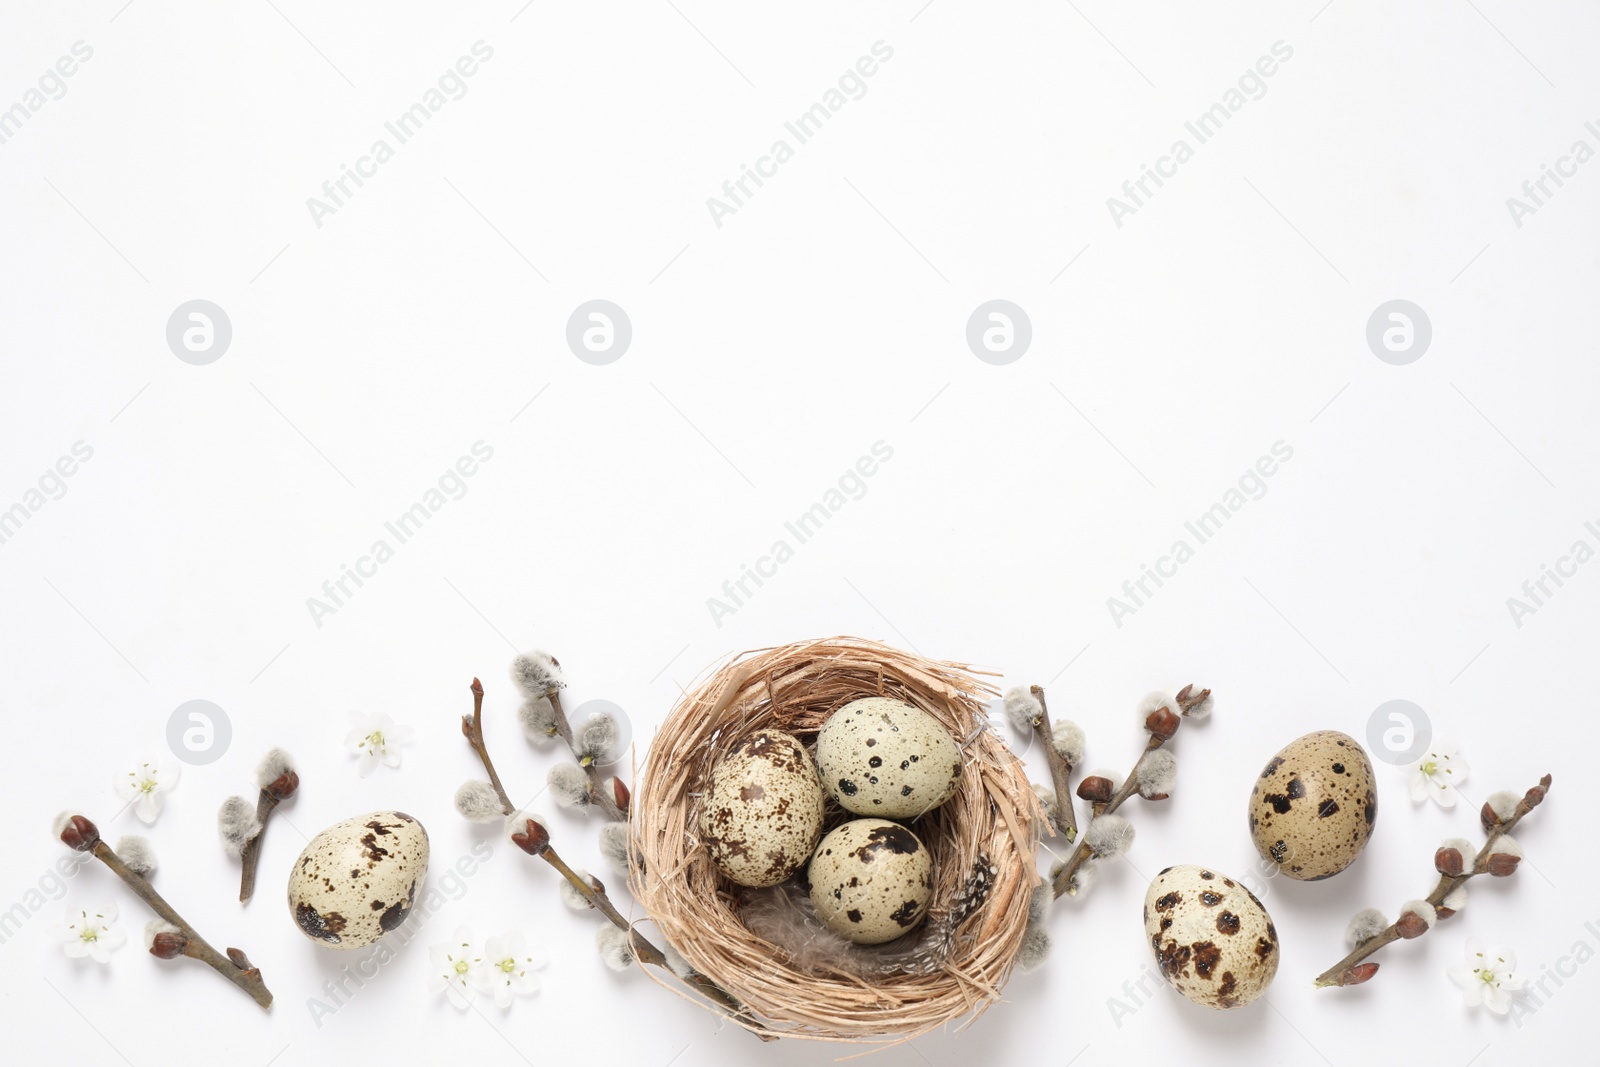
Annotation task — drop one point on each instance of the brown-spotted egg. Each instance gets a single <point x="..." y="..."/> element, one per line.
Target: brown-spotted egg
<point x="358" y="879"/>
<point x="1213" y="940"/>
<point x="1314" y="806"/>
<point x="871" y="880"/>
<point x="884" y="757"/>
<point x="761" y="814"/>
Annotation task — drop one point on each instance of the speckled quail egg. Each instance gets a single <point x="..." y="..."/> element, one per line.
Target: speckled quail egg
<point x="1213" y="940"/>
<point x="357" y="879"/>
<point x="761" y="815"/>
<point x="871" y="880"/>
<point x="884" y="757"/>
<point x="1313" y="808"/>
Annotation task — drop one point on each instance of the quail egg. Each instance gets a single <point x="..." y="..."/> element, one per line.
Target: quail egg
<point x="884" y="757"/>
<point x="1213" y="940"/>
<point x="871" y="880"/>
<point x="762" y="812"/>
<point x="357" y="879"/>
<point x="1314" y="806"/>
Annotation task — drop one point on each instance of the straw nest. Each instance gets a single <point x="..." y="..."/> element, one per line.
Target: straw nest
<point x="989" y="826"/>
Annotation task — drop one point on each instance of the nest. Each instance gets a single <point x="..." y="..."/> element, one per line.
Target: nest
<point x="982" y="843"/>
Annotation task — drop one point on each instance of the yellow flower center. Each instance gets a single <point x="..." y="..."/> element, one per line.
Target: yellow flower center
<point x="508" y="965"/>
<point x="461" y="966"/>
<point x="1429" y="767"/>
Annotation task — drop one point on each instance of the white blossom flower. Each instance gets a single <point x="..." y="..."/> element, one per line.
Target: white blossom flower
<point x="455" y="968"/>
<point x="91" y="933"/>
<point x="507" y="971"/>
<point x="1437" y="774"/>
<point x="1488" y="977"/>
<point x="376" y="738"/>
<point x="142" y="787"/>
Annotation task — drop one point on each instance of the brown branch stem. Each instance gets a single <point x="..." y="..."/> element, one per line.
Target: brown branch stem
<point x="1080" y="855"/>
<point x="246" y="978"/>
<point x="475" y="739"/>
<point x="1340" y="973"/>
<point x="250" y="855"/>
<point x="643" y="948"/>
<point x="1060" y="769"/>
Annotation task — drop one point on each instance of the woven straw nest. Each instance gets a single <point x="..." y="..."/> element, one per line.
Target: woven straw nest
<point x="991" y="823"/>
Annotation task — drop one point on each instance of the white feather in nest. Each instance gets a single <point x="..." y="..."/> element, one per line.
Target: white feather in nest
<point x="782" y="915"/>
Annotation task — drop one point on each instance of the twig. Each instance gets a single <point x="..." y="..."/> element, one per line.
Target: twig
<point x="534" y="839"/>
<point x="1060" y="769"/>
<point x="1080" y="854"/>
<point x="250" y="855"/>
<point x="1352" y="971"/>
<point x="473" y="729"/>
<point x="82" y="835"/>
<point x="1162" y="724"/>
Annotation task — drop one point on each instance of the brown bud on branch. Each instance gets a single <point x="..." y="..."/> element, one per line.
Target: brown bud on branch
<point x="1096" y="788"/>
<point x="79" y="833"/>
<point x="1411" y="925"/>
<point x="1162" y="723"/>
<point x="534" y="839"/>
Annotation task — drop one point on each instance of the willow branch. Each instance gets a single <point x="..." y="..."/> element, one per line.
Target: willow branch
<point x="1353" y="971"/>
<point x="473" y="728"/>
<point x="81" y="835"/>
<point x="1080" y="854"/>
<point x="1060" y="769"/>
<point x="250" y="854"/>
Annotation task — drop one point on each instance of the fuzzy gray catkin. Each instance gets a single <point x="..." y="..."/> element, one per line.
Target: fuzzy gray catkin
<point x="237" y="824"/>
<point x="274" y="765"/>
<point x="596" y="739"/>
<point x="569" y="785"/>
<point x="137" y="853"/>
<point x="1022" y="707"/>
<point x="535" y="673"/>
<point x="476" y="800"/>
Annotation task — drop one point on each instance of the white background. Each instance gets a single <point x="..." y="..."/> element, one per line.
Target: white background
<point x="828" y="313"/>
